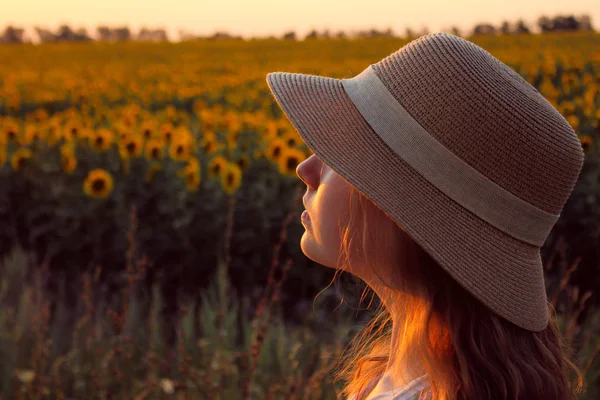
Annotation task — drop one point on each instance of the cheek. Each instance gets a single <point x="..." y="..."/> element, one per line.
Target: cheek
<point x="332" y="219"/>
<point x="327" y="226"/>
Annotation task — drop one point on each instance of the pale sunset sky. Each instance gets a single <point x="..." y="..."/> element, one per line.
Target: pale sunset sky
<point x="274" y="17"/>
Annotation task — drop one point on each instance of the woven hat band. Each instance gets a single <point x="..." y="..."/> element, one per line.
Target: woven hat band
<point x="449" y="173"/>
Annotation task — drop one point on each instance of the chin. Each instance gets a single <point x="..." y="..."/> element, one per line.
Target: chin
<point x="306" y="245"/>
<point x="313" y="251"/>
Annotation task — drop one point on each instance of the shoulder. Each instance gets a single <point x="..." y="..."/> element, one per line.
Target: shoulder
<point x="415" y="390"/>
<point x="412" y="395"/>
<point x="408" y="396"/>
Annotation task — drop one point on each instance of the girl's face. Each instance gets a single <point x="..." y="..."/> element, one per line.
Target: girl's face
<point x="326" y="201"/>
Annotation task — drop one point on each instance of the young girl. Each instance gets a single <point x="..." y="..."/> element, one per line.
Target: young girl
<point x="436" y="177"/>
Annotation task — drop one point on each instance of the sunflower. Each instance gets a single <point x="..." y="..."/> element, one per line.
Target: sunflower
<point x="573" y="121"/>
<point x="40" y="115"/>
<point x="180" y="149"/>
<point x="198" y="106"/>
<point x="10" y="132"/>
<point x="85" y="132"/>
<point x="171" y="112"/>
<point x="275" y="149"/>
<point x="13" y="103"/>
<point x="231" y="178"/>
<point x="103" y="116"/>
<point x="270" y="130"/>
<point x="247" y="120"/>
<point x="183" y="133"/>
<point x="128" y="120"/>
<point x="289" y="160"/>
<point x="20" y="158"/>
<point x="191" y="174"/>
<point x="53" y="133"/>
<point x="209" y="135"/>
<point x="192" y="164"/>
<point x="216" y="166"/>
<point x="32" y="133"/>
<point x="147" y="129"/>
<point x="282" y="128"/>
<point x="154" y="150"/>
<point x="208" y="119"/>
<point x="72" y="129"/>
<point x="166" y="131"/>
<point x="98" y="183"/>
<point x="291" y="139"/>
<point x="68" y="162"/>
<point x="210" y="145"/>
<point x="130" y="147"/>
<point x="243" y="161"/>
<point x="235" y="126"/>
<point x="586" y="142"/>
<point x="70" y="113"/>
<point x="232" y="138"/>
<point x="102" y="139"/>
<point x="122" y="132"/>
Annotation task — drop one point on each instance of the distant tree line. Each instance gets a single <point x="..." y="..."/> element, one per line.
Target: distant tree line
<point x="66" y="34"/>
<point x="559" y="23"/>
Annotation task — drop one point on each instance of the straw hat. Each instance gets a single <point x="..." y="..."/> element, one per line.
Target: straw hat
<point x="462" y="152"/>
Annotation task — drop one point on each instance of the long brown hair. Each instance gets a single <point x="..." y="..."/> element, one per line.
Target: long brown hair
<point x="467" y="351"/>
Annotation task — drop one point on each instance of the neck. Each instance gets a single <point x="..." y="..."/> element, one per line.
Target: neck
<point x="400" y="369"/>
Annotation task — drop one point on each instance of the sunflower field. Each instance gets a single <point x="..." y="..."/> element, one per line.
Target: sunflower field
<point x="178" y="137"/>
<point x="175" y="142"/>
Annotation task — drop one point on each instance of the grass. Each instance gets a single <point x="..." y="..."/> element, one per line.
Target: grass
<point x="222" y="351"/>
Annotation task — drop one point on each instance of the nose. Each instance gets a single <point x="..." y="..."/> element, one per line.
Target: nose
<point x="308" y="171"/>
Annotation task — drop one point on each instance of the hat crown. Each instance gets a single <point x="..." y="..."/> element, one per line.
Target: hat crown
<point x="488" y="115"/>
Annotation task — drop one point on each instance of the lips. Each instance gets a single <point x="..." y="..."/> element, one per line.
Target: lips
<point x="305" y="217"/>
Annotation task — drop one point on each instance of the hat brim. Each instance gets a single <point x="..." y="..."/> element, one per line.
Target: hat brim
<point x="504" y="273"/>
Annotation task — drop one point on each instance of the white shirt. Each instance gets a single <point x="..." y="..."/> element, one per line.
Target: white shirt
<point x="408" y="392"/>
